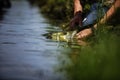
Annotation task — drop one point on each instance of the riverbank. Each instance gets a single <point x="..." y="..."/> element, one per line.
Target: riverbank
<point x="57" y="10"/>
<point x="62" y="11"/>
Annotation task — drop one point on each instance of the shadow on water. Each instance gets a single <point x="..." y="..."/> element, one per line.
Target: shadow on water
<point x="4" y="5"/>
<point x="2" y="14"/>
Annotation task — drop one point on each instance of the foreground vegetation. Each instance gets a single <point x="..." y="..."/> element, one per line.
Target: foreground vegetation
<point x="98" y="61"/>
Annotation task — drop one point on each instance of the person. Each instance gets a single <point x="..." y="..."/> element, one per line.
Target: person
<point x="91" y="18"/>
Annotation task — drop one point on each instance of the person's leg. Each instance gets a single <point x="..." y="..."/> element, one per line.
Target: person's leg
<point x="96" y="12"/>
<point x="90" y="19"/>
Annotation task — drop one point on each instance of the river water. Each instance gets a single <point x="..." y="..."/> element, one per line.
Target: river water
<point x="24" y="53"/>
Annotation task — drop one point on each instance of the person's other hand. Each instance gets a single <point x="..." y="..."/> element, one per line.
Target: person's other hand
<point x="84" y="33"/>
<point x="76" y="21"/>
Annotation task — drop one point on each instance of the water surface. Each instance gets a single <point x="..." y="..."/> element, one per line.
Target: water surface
<point x="24" y="53"/>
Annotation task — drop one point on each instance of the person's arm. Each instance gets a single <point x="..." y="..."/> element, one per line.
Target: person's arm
<point x="77" y="6"/>
<point x="87" y="32"/>
<point x="77" y="19"/>
<point x="109" y="13"/>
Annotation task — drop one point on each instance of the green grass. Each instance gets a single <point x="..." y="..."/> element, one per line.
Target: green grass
<point x="98" y="61"/>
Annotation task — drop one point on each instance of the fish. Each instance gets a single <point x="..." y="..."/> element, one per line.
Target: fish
<point x="67" y="36"/>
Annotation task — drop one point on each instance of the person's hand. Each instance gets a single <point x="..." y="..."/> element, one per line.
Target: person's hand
<point x="76" y="21"/>
<point x="84" y="33"/>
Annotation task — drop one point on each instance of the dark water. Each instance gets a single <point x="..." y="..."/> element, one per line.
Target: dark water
<point x="24" y="53"/>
